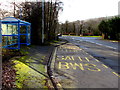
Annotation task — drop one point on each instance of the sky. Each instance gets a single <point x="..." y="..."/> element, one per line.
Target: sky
<point x="83" y="9"/>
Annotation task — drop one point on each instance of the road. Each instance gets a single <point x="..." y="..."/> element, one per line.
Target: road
<point x="83" y="63"/>
<point x="105" y="51"/>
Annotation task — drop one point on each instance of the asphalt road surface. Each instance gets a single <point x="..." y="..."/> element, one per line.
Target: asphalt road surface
<point x="80" y="64"/>
<point x="103" y="50"/>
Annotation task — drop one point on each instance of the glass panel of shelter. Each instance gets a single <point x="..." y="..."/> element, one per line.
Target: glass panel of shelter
<point x="10" y="35"/>
<point x="23" y="34"/>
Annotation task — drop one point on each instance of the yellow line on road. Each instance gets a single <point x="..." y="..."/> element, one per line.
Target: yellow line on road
<point x="87" y="59"/>
<point x="80" y="58"/>
<point x="97" y="60"/>
<point x="75" y="50"/>
<point x="105" y="66"/>
<point x="80" y="49"/>
<point x="91" y="56"/>
<point x="59" y="85"/>
<point x="116" y="74"/>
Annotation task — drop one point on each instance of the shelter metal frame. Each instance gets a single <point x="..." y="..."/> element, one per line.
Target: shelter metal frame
<point x="15" y="31"/>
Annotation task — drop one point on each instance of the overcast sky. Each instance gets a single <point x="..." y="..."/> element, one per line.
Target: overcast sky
<point x="85" y="9"/>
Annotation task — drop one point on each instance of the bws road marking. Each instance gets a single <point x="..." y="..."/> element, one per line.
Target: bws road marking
<point x="74" y="66"/>
<point x="77" y="65"/>
<point x="92" y="67"/>
<point x="63" y="64"/>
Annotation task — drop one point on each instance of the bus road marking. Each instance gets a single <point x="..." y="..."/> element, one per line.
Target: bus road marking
<point x="116" y="74"/>
<point x="87" y="59"/>
<point x="59" y="85"/>
<point x="91" y="56"/>
<point x="97" y="60"/>
<point x="104" y="65"/>
<point x="80" y="58"/>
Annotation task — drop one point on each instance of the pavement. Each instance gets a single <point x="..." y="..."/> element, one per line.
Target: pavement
<point x="72" y="67"/>
<point x="32" y="68"/>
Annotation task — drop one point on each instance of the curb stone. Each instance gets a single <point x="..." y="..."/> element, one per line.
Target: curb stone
<point x="51" y="66"/>
<point x="55" y="79"/>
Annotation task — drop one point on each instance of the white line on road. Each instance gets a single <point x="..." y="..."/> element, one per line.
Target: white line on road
<point x="102" y="44"/>
<point x="115" y="52"/>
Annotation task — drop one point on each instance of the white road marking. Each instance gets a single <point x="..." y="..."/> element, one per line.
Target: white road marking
<point x="102" y="45"/>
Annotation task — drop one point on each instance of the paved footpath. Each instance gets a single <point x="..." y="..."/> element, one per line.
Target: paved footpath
<point x="32" y="68"/>
<point x="74" y="68"/>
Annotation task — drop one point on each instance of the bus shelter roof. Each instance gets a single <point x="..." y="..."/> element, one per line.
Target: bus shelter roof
<point x="12" y="20"/>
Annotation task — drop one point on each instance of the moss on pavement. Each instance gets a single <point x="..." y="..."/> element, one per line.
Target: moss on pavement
<point x="31" y="68"/>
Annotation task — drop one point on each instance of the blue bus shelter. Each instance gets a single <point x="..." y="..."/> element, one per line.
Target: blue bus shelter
<point x="15" y="32"/>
